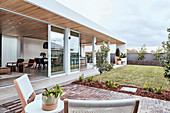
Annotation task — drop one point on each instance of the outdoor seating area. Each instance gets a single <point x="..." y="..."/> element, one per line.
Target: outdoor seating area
<point x="79" y="92"/>
<point x="54" y="60"/>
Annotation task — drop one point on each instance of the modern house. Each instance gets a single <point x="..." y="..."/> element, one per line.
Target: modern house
<point x="31" y="27"/>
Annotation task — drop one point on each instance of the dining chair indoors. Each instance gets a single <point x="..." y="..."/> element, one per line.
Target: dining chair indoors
<point x="25" y="91"/>
<point x="101" y="106"/>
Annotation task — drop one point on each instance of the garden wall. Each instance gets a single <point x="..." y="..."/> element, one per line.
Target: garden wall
<point x="132" y="59"/>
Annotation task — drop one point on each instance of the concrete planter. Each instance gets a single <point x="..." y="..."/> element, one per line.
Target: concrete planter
<point x="119" y="62"/>
<point x="116" y="61"/>
<point x="123" y="60"/>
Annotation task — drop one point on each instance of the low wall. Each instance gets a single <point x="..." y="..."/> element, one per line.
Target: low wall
<point x="144" y="62"/>
<point x="132" y="59"/>
<point x="147" y="56"/>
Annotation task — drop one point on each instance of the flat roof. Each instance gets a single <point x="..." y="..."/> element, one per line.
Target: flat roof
<point x="55" y="13"/>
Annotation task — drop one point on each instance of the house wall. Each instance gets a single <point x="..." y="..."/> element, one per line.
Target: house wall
<point x="32" y="48"/>
<point x="9" y="49"/>
<point x="122" y="48"/>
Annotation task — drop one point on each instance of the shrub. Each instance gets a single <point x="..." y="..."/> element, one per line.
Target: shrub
<point x="84" y="81"/>
<point x="112" y="85"/>
<point x="91" y="82"/>
<point x="117" y="52"/>
<point x="144" y="92"/>
<point x="158" y="90"/>
<point x="103" y="86"/>
<point x="151" y="89"/>
<point x="146" y="86"/>
<point x="81" y="77"/>
<point x="157" y="55"/>
<point x="140" y="55"/>
<point x="119" y="59"/>
<point x="123" y="55"/>
<point x="90" y="79"/>
<point x="166" y="58"/>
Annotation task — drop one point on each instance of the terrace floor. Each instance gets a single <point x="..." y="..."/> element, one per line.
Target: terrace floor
<point x="74" y="91"/>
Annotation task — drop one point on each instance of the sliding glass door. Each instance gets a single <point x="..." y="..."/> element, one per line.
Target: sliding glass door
<point x="57" y="50"/>
<point x="74" y="51"/>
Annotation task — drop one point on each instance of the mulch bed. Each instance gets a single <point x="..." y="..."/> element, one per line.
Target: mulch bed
<point x="164" y="96"/>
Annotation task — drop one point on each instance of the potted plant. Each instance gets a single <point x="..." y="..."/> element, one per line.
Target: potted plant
<point x="50" y="97"/>
<point x="123" y="57"/>
<point x="117" y="55"/>
<point x="119" y="61"/>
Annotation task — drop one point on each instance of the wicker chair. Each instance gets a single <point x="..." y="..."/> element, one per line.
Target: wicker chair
<point x="102" y="106"/>
<point x="25" y="91"/>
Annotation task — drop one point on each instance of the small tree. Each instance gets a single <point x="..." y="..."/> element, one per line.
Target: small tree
<point x="142" y="50"/>
<point x="102" y="63"/>
<point x="166" y="58"/>
<point x="156" y="54"/>
<point x="117" y="52"/>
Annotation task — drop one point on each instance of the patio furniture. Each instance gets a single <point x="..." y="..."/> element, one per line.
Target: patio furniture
<point x="29" y="65"/>
<point x="25" y="91"/>
<point x="38" y="62"/>
<point x="44" y="61"/>
<point x="13" y="65"/>
<point x="101" y="106"/>
<point x="36" y="107"/>
<point x="4" y="70"/>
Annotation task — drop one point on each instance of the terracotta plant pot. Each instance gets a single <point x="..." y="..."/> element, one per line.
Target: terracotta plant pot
<point x="116" y="61"/>
<point x="119" y="62"/>
<point x="49" y="103"/>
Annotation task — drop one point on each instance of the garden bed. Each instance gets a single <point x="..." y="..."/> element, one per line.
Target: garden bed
<point x="140" y="91"/>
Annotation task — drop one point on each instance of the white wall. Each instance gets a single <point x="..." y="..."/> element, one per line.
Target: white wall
<point x="26" y="48"/>
<point x="122" y="48"/>
<point x="9" y="49"/>
<point x="32" y="48"/>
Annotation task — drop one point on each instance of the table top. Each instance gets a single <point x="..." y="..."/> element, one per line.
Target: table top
<point x="36" y="107"/>
<point x="4" y="67"/>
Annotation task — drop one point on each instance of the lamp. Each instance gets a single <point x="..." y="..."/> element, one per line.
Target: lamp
<point x="45" y="45"/>
<point x="42" y="54"/>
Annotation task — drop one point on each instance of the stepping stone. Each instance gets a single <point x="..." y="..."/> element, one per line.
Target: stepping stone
<point x="128" y="89"/>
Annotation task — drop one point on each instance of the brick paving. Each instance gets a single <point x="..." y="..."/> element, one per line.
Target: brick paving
<point x="75" y="91"/>
<point x="147" y="105"/>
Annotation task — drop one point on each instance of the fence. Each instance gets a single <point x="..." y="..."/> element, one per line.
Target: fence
<point x="132" y="59"/>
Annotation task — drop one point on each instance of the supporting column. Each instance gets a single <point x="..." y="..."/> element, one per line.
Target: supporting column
<point x="83" y="54"/>
<point x="20" y="47"/>
<point x="94" y="52"/>
<point x="0" y="49"/>
<point x="122" y="48"/>
<point x="108" y="54"/>
<point x="67" y="51"/>
<point x="49" y="50"/>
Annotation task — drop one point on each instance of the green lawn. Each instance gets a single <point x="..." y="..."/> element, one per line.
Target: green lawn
<point x="137" y="75"/>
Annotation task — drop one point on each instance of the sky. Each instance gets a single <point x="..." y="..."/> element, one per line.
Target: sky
<point x="139" y="22"/>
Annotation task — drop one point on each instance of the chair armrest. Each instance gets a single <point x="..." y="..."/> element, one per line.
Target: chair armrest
<point x="11" y="63"/>
<point x="27" y="63"/>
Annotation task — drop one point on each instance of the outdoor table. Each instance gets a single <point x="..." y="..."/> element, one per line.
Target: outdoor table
<point x="36" y="107"/>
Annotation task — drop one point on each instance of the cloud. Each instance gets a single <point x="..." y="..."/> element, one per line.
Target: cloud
<point x="138" y="21"/>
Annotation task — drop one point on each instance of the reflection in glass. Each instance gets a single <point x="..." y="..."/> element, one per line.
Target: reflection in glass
<point x="74" y="53"/>
<point x="57" y="45"/>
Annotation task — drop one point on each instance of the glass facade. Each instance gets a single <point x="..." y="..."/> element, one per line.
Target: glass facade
<point x="74" y="51"/>
<point x="57" y="50"/>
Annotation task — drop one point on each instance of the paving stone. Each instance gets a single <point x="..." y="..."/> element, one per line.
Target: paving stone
<point x="128" y="89"/>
